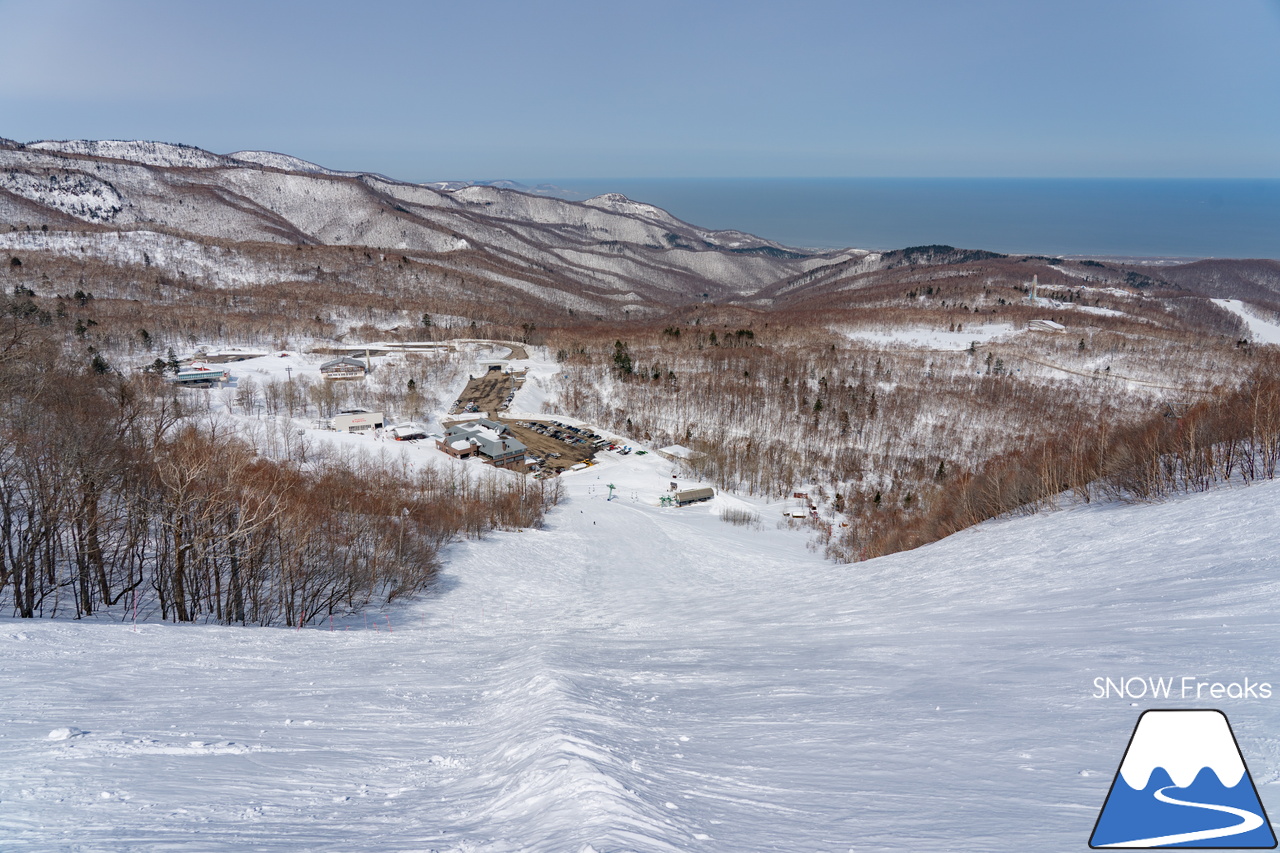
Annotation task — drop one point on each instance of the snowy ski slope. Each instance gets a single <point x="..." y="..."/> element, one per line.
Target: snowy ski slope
<point x="636" y="678"/>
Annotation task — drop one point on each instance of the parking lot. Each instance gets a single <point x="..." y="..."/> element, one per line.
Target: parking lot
<point x="556" y="446"/>
<point x="553" y="445"/>
<point x="490" y="393"/>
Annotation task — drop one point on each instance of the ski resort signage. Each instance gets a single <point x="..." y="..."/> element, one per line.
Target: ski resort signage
<point x="1184" y="687"/>
<point x="1183" y="783"/>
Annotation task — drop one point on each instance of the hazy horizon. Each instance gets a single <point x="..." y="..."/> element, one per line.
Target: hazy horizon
<point x="1089" y="217"/>
<point x="1149" y="88"/>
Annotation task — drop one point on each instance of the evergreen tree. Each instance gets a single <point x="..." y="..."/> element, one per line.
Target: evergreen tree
<point x="622" y="359"/>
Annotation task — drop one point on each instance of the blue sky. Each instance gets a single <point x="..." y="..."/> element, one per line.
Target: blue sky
<point x="491" y="88"/>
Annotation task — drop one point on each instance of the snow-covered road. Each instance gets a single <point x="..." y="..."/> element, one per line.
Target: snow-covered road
<point x="650" y="679"/>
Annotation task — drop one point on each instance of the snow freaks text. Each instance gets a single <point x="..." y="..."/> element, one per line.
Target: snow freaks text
<point x="1178" y="687"/>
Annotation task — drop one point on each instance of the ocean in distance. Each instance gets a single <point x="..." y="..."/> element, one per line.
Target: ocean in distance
<point x="1094" y="217"/>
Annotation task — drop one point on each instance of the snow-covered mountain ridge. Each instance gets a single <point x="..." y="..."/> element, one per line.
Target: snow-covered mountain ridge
<point x="605" y="245"/>
<point x="488" y="249"/>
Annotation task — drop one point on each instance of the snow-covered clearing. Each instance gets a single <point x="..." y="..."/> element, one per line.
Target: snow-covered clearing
<point x="648" y="679"/>
<point x="1097" y="309"/>
<point x="1264" y="331"/>
<point x="937" y="339"/>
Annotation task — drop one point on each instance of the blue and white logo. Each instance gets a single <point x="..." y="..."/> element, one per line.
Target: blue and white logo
<point x="1183" y="783"/>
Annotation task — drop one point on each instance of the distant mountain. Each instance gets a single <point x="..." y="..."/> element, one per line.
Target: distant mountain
<point x="1252" y="280"/>
<point x="280" y="161"/>
<point x="601" y="254"/>
<point x="148" y="153"/>
<point x="540" y="189"/>
<point x="175" y="208"/>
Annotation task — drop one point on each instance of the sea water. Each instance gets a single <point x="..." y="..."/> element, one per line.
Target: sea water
<point x="1149" y="218"/>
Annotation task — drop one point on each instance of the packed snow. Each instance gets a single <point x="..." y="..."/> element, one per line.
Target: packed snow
<point x="643" y="678"/>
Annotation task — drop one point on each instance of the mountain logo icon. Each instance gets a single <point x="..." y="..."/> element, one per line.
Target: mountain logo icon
<point x="1183" y="783"/>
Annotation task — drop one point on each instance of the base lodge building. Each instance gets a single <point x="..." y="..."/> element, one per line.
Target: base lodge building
<point x="485" y="438"/>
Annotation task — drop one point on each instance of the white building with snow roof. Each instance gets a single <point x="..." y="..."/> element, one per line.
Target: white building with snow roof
<point x="345" y="367"/>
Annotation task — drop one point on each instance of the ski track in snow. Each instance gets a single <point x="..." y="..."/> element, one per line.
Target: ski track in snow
<point x="635" y="678"/>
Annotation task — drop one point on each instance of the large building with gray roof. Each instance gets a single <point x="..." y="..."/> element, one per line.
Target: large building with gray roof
<point x="483" y="437"/>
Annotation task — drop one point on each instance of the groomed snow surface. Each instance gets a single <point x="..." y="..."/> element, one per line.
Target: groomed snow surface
<point x="637" y="678"/>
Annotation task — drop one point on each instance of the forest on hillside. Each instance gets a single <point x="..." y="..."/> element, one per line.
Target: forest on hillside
<point x="117" y="488"/>
<point x="114" y="485"/>
<point x="899" y="444"/>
